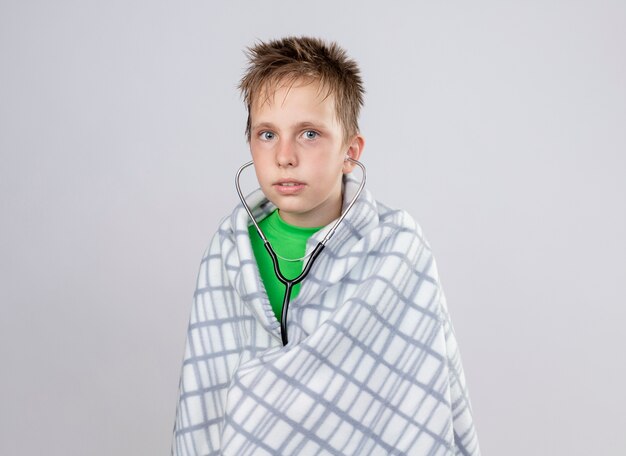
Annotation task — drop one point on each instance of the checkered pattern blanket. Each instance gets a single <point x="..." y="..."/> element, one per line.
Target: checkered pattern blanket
<point x="372" y="365"/>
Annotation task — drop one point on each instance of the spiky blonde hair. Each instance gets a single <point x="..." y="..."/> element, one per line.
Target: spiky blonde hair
<point x="291" y="59"/>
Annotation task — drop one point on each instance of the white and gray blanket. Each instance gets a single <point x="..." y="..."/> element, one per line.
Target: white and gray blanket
<point x="372" y="365"/>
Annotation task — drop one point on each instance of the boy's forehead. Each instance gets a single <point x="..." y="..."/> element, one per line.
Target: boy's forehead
<point x="268" y="92"/>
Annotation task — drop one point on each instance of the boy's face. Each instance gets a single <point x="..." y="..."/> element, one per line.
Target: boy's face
<point x="298" y="149"/>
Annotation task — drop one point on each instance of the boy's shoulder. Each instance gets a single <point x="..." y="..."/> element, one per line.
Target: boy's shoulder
<point x="399" y="218"/>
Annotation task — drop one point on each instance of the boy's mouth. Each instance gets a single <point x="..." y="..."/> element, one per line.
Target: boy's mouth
<point x="288" y="187"/>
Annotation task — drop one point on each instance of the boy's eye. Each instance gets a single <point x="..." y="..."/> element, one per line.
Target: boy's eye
<point x="310" y="134"/>
<point x="267" y="135"/>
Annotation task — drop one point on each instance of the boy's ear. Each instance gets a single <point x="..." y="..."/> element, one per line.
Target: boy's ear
<point x="354" y="151"/>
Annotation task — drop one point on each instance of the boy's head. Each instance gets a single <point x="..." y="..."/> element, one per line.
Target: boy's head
<point x="303" y="98"/>
<point x="287" y="60"/>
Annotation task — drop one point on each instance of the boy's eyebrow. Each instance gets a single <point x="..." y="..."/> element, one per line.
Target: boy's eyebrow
<point x="304" y="124"/>
<point x="311" y="124"/>
<point x="262" y="125"/>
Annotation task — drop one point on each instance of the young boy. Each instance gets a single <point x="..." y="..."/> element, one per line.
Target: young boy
<point x="371" y="366"/>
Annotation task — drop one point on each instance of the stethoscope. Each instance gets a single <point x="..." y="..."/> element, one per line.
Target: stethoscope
<point x="289" y="284"/>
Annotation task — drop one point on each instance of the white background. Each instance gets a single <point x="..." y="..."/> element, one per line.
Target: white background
<point x="500" y="125"/>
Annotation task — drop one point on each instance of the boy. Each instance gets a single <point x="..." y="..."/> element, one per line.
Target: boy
<point x="371" y="366"/>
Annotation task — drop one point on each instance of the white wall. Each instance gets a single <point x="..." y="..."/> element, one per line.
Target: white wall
<point x="499" y="125"/>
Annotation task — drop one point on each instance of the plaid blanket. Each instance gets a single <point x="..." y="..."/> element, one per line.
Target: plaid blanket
<point x="372" y="365"/>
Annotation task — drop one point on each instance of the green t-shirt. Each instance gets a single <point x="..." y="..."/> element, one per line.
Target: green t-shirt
<point x="288" y="241"/>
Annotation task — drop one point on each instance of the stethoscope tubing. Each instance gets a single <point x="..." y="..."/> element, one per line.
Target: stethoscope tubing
<point x="290" y="283"/>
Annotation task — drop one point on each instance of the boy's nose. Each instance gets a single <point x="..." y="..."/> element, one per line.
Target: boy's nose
<point x="286" y="154"/>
